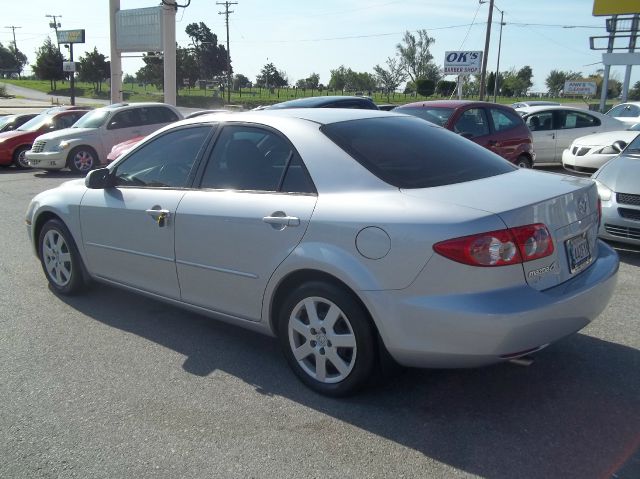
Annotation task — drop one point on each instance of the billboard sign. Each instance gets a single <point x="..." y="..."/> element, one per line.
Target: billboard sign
<point x="139" y="30"/>
<point x="70" y="36"/>
<point x="68" y="66"/>
<point x="462" y="62"/>
<point x="615" y="7"/>
<point x="584" y="88"/>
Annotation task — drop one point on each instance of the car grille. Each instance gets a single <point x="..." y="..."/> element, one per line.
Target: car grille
<point x="628" y="199"/>
<point x="629" y="214"/>
<point x="623" y="231"/>
<point x="38" y="146"/>
<point x="580" y="151"/>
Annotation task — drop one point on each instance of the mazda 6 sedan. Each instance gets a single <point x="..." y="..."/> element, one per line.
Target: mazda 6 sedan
<point x="356" y="237"/>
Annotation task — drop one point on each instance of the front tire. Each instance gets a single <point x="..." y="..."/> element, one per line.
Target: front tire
<point x="19" y="157"/>
<point x="60" y="259"/>
<point x="328" y="338"/>
<point x="523" y="161"/>
<point x="82" y="159"/>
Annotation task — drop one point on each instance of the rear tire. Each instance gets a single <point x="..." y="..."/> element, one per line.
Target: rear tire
<point x="523" y="161"/>
<point x="19" y="157"/>
<point x="328" y="338"/>
<point x="82" y="159"/>
<point x="60" y="259"/>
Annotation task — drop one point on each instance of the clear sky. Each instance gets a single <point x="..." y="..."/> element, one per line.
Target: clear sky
<point x="302" y="37"/>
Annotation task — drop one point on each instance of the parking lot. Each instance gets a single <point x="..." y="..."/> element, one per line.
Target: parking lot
<point x="110" y="384"/>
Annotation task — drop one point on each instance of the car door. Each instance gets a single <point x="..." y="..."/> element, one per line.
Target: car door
<point x="507" y="133"/>
<point x="571" y="125"/>
<point x="122" y="126"/>
<point x="128" y="230"/>
<point x="473" y="124"/>
<point x="250" y="212"/>
<point x="543" y="132"/>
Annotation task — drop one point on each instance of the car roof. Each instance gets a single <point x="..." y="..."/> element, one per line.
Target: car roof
<point x="118" y="106"/>
<point x="315" y="101"/>
<point x="636" y="103"/>
<point x="536" y="109"/>
<point x="321" y="116"/>
<point x="449" y="104"/>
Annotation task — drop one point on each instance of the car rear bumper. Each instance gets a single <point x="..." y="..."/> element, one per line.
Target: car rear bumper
<point x="466" y="330"/>
<point x="50" y="160"/>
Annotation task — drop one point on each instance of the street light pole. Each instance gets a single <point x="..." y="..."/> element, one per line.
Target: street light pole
<point x="495" y="85"/>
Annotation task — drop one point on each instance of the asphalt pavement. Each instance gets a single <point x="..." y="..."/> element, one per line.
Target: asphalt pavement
<point x="111" y="384"/>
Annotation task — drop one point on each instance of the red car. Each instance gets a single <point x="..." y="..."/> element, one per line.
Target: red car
<point x="498" y="128"/>
<point x="121" y="148"/>
<point x="14" y="144"/>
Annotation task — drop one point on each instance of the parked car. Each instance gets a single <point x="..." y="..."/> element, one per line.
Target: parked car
<point x="588" y="153"/>
<point x="394" y="235"/>
<point x="12" y="122"/>
<point x="524" y="104"/>
<point x="618" y="184"/>
<point x="626" y="112"/>
<point x="205" y="112"/>
<point x="14" y="144"/>
<point x="86" y="145"/>
<point x="496" y="127"/>
<point x="386" y="106"/>
<point x="121" y="148"/>
<point x="555" y="127"/>
<point x="357" y="102"/>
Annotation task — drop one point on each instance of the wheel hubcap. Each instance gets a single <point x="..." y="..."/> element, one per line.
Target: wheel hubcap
<point x="22" y="158"/>
<point x="57" y="258"/>
<point x="322" y="340"/>
<point x="83" y="161"/>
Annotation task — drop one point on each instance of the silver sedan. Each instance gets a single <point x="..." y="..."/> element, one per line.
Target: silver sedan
<point x="356" y="237"/>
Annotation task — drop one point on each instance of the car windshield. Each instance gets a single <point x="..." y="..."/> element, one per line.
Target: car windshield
<point x="439" y="116"/>
<point x="4" y="120"/>
<point x="633" y="146"/>
<point x="93" y="119"/>
<point x="634" y="127"/>
<point x="409" y="153"/>
<point x="36" y="123"/>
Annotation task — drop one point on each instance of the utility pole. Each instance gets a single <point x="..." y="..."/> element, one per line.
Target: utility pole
<point x="483" y="73"/>
<point x="226" y="15"/>
<point x="55" y="25"/>
<point x="496" y="83"/>
<point x="15" y="45"/>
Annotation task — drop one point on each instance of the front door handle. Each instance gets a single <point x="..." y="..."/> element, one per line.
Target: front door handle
<point x="280" y="219"/>
<point x="161" y="216"/>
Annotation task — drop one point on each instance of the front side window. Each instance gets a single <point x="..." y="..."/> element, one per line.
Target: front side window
<point x="472" y="123"/>
<point x="503" y="120"/>
<point x="407" y="152"/>
<point x="255" y="159"/>
<point x="165" y="161"/>
<point x="125" y="119"/>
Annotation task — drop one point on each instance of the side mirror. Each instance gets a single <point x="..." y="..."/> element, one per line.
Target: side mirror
<point x="99" y="179"/>
<point x="619" y="145"/>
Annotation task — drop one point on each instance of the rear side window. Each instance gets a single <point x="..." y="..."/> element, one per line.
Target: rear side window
<point x="410" y="153"/>
<point x="504" y="120"/>
<point x="157" y="114"/>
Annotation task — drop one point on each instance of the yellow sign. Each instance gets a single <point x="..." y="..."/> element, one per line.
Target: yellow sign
<point x="615" y="7"/>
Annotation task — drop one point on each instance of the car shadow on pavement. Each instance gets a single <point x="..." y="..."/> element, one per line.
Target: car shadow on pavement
<point x="573" y="413"/>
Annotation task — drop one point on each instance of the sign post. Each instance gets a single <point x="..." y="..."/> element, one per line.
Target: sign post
<point x="70" y="37"/>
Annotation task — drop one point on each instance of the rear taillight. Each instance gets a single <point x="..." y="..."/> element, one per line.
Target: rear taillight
<point x="499" y="248"/>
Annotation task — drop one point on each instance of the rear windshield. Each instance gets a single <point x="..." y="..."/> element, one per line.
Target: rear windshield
<point x="439" y="116"/>
<point x="411" y="153"/>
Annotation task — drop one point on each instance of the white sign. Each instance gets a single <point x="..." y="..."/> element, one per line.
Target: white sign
<point x="68" y="66"/>
<point x="139" y="30"/>
<point x="585" y="88"/>
<point x="462" y="63"/>
<point x="621" y="58"/>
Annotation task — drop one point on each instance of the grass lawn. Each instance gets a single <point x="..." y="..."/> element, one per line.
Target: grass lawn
<point x="249" y="98"/>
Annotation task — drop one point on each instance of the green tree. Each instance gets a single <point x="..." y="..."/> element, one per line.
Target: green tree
<point x="556" y="78"/>
<point x="211" y="57"/>
<point x="514" y="84"/>
<point x="12" y="60"/>
<point x="94" y="68"/>
<point x="634" y="93"/>
<point x="240" y="81"/>
<point x="309" y="83"/>
<point x="415" y="58"/>
<point x="446" y="88"/>
<point x="48" y="64"/>
<point x="525" y="74"/>
<point x="187" y="68"/>
<point x="391" y="77"/>
<point x="152" y="73"/>
<point x="425" y="87"/>
<point x="345" y="79"/>
<point x="271" y="77"/>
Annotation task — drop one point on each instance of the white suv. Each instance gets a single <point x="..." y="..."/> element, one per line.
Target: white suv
<point x="87" y="143"/>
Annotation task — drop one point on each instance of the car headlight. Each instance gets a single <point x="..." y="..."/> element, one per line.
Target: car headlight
<point x="2" y="140"/>
<point x="64" y="144"/>
<point x="604" y="192"/>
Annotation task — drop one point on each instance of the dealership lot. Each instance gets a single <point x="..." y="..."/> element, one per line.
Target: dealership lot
<point x="115" y="385"/>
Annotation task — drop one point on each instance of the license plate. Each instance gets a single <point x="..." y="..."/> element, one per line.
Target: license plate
<point x="578" y="252"/>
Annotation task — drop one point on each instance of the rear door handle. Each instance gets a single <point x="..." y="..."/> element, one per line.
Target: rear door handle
<point x="281" y="220"/>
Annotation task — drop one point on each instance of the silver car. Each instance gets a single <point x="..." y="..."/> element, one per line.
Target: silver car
<point x="619" y="189"/>
<point x="354" y="236"/>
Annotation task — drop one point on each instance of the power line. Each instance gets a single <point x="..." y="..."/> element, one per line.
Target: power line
<point x="226" y="16"/>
